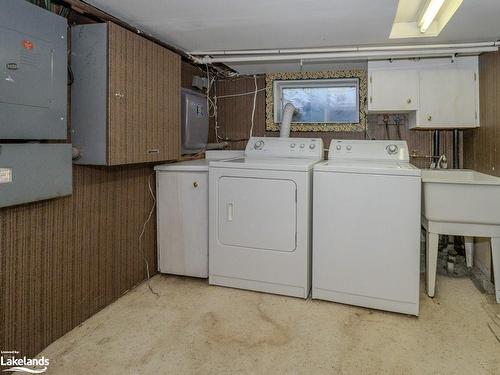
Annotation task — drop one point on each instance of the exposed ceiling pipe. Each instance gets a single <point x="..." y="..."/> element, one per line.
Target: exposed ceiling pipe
<point x="380" y="53"/>
<point x="272" y="51"/>
<point x="238" y="52"/>
<point x="341" y="49"/>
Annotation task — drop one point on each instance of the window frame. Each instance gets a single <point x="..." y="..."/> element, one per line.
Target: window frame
<point x="279" y="85"/>
<point x="361" y="74"/>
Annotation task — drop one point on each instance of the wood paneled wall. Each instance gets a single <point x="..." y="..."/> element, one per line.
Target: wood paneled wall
<point x="482" y="145"/>
<point x="234" y="120"/>
<point x="62" y="260"/>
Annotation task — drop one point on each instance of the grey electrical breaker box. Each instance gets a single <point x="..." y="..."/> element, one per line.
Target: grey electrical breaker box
<point x="89" y="93"/>
<point x="194" y="121"/>
<point x="33" y="72"/>
<point x="34" y="171"/>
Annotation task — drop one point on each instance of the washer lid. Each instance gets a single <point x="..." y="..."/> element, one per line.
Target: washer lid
<point x="367" y="167"/>
<point x="280" y="164"/>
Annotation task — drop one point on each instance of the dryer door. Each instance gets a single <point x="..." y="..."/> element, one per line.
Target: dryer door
<point x="257" y="213"/>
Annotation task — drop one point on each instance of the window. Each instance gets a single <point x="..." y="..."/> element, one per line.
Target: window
<point x="328" y="101"/>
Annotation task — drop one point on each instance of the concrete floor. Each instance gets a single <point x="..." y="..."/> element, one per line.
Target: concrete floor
<point x="194" y="328"/>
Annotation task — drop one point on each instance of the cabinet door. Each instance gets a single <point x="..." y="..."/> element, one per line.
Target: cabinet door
<point x="168" y="121"/>
<point x="448" y="98"/>
<point x="119" y="97"/>
<point x="161" y="102"/>
<point x="182" y="215"/>
<point x="144" y="99"/>
<point x="393" y="90"/>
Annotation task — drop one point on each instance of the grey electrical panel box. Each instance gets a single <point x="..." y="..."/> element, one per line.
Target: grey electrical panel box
<point x="89" y="92"/>
<point x="194" y="121"/>
<point x="34" y="171"/>
<point x="33" y="72"/>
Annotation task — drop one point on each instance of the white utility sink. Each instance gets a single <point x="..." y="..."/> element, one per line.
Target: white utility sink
<point x="460" y="196"/>
<point x="465" y="203"/>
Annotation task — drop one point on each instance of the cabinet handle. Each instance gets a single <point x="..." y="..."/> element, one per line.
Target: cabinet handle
<point x="119" y="95"/>
<point x="371" y="99"/>
<point x="153" y="151"/>
<point x="429" y="118"/>
<point x="195" y="184"/>
<point x="408" y="100"/>
<point x="230" y="211"/>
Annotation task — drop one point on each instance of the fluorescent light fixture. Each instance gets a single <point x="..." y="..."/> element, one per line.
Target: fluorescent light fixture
<point x="432" y="8"/>
<point x="422" y="18"/>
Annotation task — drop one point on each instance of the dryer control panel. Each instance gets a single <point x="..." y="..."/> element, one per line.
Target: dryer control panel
<point x="356" y="149"/>
<point x="307" y="148"/>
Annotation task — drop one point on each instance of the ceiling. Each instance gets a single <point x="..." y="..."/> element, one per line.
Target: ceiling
<point x="208" y="25"/>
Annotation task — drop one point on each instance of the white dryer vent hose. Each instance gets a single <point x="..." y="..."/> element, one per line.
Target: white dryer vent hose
<point x="286" y="120"/>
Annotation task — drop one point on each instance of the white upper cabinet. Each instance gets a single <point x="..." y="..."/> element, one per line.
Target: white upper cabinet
<point x="449" y="96"/>
<point x="392" y="88"/>
<point x="438" y="93"/>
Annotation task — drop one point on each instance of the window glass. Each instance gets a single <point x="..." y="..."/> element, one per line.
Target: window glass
<point x="323" y="104"/>
<point x="319" y="101"/>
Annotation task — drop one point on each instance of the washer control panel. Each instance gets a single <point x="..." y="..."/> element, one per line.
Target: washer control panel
<point x="285" y="147"/>
<point x="368" y="150"/>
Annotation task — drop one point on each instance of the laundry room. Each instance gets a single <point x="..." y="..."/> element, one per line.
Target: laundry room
<point x="264" y="187"/>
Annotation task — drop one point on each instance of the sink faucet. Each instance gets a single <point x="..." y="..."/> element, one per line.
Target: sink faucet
<point x="442" y="163"/>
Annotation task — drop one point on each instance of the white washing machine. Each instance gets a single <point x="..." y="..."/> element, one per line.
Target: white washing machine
<point x="260" y="216"/>
<point x="366" y="234"/>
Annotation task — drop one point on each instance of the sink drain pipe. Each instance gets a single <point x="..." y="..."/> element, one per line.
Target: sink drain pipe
<point x="458" y="241"/>
<point x="456" y="149"/>
<point x="436" y="145"/>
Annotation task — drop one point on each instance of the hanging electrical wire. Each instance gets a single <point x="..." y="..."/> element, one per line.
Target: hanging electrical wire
<point x="212" y="103"/>
<point x="254" y="104"/>
<point x="141" y="248"/>
<point x="241" y="94"/>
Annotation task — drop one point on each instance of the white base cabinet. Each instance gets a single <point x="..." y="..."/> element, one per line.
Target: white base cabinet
<point x="182" y="214"/>
<point x="438" y="93"/>
<point x="182" y="217"/>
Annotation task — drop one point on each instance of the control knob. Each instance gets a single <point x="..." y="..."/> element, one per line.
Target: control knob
<point x="392" y="149"/>
<point x="258" y="145"/>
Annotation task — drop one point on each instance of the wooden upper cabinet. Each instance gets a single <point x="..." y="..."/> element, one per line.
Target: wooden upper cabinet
<point x="142" y="96"/>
